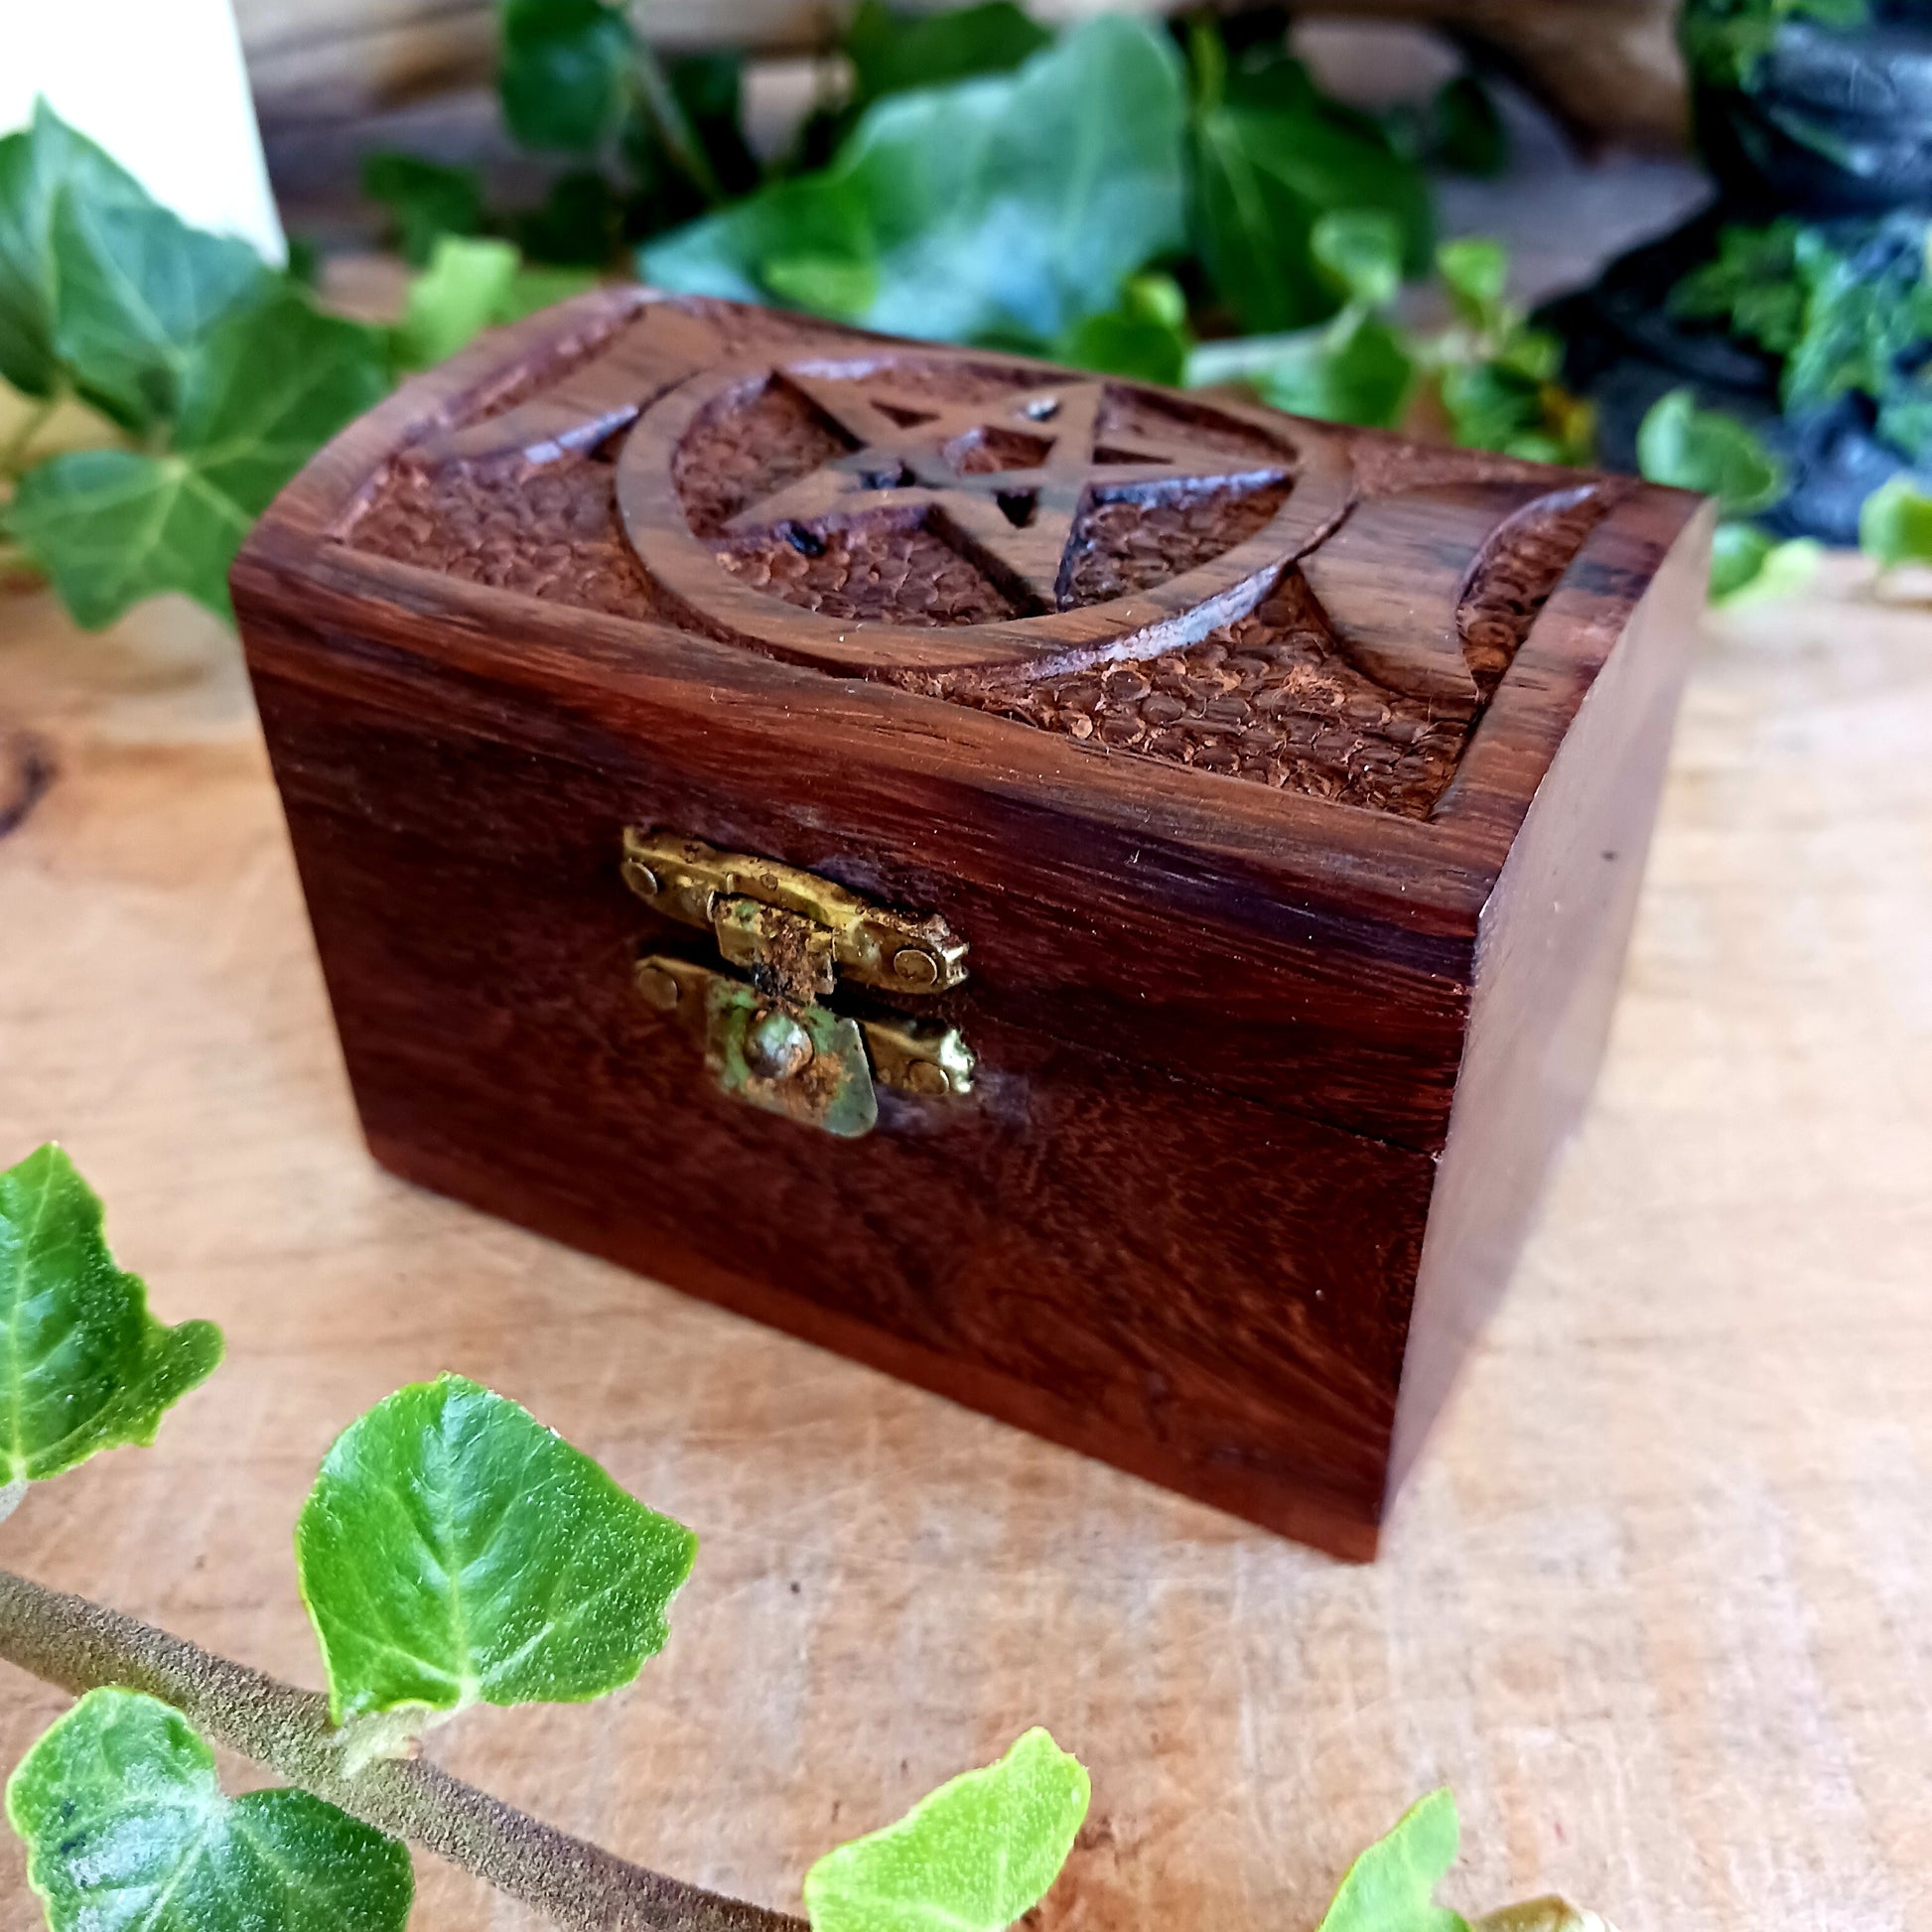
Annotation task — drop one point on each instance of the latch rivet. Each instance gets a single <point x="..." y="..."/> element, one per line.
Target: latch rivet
<point x="915" y="968"/>
<point x="657" y="987"/>
<point x="777" y="1045"/>
<point x="641" y="878"/>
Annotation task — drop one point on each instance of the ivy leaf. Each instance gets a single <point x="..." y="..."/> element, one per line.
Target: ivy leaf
<point x="1859" y="317"/>
<point x="1475" y="271"/>
<point x="1905" y="421"/>
<point x="1009" y="208"/>
<point x="462" y="291"/>
<point x="472" y="284"/>
<point x="578" y="223"/>
<point x="100" y="287"/>
<point x="532" y="289"/>
<point x="1361" y="251"/>
<point x="1749" y="567"/>
<point x="1356" y="371"/>
<point x="1272" y="155"/>
<point x="113" y="527"/>
<point x="259" y="394"/>
<point x="1391" y="1887"/>
<point x="1752" y="286"/>
<point x="127" y="1829"/>
<point x="1263" y="176"/>
<point x="425" y="201"/>
<point x="454" y="1549"/>
<point x="1465" y="131"/>
<point x="1145" y="335"/>
<point x="564" y="73"/>
<point x="1511" y="402"/>
<point x="83" y="1365"/>
<point x="33" y="164"/>
<point x="687" y="140"/>
<point x="1706" y="451"/>
<point x="1895" y="524"/>
<point x="972" y="1857"/>
<point x="1725" y="41"/>
<point x="892" y="53"/>
<point x="826" y="285"/>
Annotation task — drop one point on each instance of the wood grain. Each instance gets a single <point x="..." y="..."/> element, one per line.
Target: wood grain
<point x="1178" y="1219"/>
<point x="1657" y="1598"/>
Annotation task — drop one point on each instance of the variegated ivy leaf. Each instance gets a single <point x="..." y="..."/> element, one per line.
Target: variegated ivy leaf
<point x="128" y="1831"/>
<point x="973" y="1857"/>
<point x="83" y="1365"/>
<point x="1391" y="1887"/>
<point x="455" y="1551"/>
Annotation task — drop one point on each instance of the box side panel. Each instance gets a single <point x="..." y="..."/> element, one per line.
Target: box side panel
<point x="1156" y="915"/>
<point x="1203" y="1290"/>
<point x="1549" y="957"/>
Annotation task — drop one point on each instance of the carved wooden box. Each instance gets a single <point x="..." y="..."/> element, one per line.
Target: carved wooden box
<point x="1096" y="901"/>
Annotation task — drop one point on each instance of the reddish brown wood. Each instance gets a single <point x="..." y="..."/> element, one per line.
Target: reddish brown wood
<point x="1269" y="795"/>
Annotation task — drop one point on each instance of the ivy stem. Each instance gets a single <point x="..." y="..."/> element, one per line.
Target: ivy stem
<point x="672" y="125"/>
<point x="80" y="1646"/>
<point x="13" y="457"/>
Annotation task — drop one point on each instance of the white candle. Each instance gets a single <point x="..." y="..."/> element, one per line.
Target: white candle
<point x="161" y="85"/>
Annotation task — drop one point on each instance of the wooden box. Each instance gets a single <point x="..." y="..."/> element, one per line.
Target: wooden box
<point x="1098" y="901"/>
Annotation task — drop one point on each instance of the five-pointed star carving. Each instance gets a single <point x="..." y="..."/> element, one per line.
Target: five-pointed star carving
<point x="1006" y="480"/>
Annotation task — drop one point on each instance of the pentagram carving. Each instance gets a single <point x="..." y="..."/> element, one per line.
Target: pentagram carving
<point x="1153" y="574"/>
<point x="927" y="511"/>
<point x="1004" y="481"/>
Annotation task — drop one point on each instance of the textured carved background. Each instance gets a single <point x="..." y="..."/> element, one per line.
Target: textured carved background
<point x="547" y="530"/>
<point x="1514" y="578"/>
<point x="896" y="568"/>
<point x="733" y="457"/>
<point x="1140" y="538"/>
<point x="1273" y="698"/>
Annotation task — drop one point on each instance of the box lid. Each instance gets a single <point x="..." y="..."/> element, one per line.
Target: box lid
<point x="1209" y="728"/>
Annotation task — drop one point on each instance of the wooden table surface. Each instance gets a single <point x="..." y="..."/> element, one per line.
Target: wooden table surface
<point x="1658" y="1603"/>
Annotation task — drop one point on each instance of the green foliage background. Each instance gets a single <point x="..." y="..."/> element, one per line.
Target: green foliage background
<point x="1179" y="206"/>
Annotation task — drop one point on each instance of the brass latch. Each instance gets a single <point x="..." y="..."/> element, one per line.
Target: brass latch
<point x="767" y="1040"/>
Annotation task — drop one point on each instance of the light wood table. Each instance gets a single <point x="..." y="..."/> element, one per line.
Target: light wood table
<point x="1658" y="1604"/>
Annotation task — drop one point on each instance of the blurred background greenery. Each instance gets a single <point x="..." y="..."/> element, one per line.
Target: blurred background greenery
<point x="1346" y="218"/>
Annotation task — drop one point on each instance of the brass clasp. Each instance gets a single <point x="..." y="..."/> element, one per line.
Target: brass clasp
<point x="767" y="1041"/>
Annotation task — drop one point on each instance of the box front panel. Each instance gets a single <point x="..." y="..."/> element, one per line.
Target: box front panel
<point x="1197" y="1287"/>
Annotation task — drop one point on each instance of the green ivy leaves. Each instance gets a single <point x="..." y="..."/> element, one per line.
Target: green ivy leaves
<point x="1706" y="451"/>
<point x="1725" y="41"/>
<point x="565" y="66"/>
<point x="972" y="1857"/>
<point x="101" y="291"/>
<point x="469" y="285"/>
<point x="894" y="52"/>
<point x="1004" y="209"/>
<point x="128" y="1831"/>
<point x="1895" y="524"/>
<point x="454" y="1549"/>
<point x="1391" y="1887"/>
<point x="1717" y="456"/>
<point x="219" y="370"/>
<point x="1270" y="156"/>
<point x="258" y="394"/>
<point x="83" y="1365"/>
